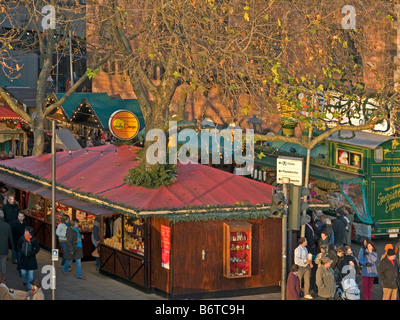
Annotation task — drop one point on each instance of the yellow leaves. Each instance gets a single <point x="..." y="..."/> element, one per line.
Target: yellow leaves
<point x="246" y="13"/>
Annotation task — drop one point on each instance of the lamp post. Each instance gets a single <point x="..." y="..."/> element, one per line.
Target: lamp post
<point x="256" y="124"/>
<point x="53" y="205"/>
<point x="285" y="182"/>
<point x="65" y="141"/>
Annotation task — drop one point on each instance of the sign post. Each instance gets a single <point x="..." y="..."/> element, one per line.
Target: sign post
<point x="290" y="167"/>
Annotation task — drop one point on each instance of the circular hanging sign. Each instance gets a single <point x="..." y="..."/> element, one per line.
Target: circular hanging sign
<point x="124" y="124"/>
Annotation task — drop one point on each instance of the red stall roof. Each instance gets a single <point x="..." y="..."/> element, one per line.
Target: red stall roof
<point x="100" y="171"/>
<point x="7" y="114"/>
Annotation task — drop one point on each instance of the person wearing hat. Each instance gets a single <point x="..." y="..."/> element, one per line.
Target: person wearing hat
<point x="325" y="280"/>
<point x="387" y="247"/>
<point x="388" y="271"/>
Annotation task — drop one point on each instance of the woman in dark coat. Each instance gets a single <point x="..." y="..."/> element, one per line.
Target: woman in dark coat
<point x="74" y="248"/>
<point x="28" y="261"/>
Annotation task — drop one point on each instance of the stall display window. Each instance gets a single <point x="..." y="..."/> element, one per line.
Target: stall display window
<point x="36" y="208"/>
<point x="347" y="158"/>
<point x="237" y="249"/>
<point x="60" y="210"/>
<point x="134" y="234"/>
<point x="113" y="232"/>
<point x="86" y="220"/>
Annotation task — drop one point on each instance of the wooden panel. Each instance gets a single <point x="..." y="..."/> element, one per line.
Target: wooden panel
<point x="191" y="274"/>
<point x="160" y="278"/>
<point x="122" y="265"/>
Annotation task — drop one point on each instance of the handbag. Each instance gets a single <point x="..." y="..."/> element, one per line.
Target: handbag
<point x="95" y="253"/>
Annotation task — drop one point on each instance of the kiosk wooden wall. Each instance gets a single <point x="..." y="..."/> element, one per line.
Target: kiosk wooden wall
<point x="190" y="275"/>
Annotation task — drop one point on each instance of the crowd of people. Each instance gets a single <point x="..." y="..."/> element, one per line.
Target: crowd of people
<point x="324" y="257"/>
<point x="17" y="238"/>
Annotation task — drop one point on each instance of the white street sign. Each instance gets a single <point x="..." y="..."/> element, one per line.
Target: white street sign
<point x="289" y="167"/>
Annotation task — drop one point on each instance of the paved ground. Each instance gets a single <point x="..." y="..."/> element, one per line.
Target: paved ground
<point x="101" y="287"/>
<point x="96" y="286"/>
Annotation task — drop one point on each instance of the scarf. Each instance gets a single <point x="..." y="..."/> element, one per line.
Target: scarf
<point x="28" y="238"/>
<point x="79" y="244"/>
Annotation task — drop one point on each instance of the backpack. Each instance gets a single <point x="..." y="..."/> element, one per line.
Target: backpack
<point x="27" y="249"/>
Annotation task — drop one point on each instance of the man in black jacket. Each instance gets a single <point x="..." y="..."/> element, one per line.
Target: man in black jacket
<point x="339" y="228"/>
<point x="388" y="273"/>
<point x="6" y="242"/>
<point x="18" y="229"/>
<point x="10" y="209"/>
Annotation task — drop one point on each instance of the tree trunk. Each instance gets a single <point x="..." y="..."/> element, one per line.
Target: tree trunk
<point x="38" y="134"/>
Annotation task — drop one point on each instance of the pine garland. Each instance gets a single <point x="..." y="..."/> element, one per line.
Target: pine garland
<point x="156" y="177"/>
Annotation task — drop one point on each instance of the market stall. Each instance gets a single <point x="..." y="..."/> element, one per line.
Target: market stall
<point x="87" y="114"/>
<point x="207" y="234"/>
<point x="35" y="201"/>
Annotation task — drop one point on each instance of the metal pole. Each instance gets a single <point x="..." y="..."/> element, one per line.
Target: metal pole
<point x="285" y="182"/>
<point x="57" y="73"/>
<point x="53" y="200"/>
<point x="306" y="179"/>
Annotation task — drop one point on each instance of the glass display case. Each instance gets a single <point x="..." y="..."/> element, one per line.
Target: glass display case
<point x="133" y="234"/>
<point x="237" y="249"/>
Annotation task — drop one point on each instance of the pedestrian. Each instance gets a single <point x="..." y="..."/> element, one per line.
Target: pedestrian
<point x="6" y="242"/>
<point x="36" y="293"/>
<point x="348" y="265"/>
<point x="96" y="240"/>
<point x="310" y="236"/>
<point x="339" y="228"/>
<point x="3" y="194"/>
<point x="327" y="229"/>
<point x="28" y="246"/>
<point x="61" y="233"/>
<point x="11" y="210"/>
<point x="369" y="272"/>
<point x="337" y="259"/>
<point x="74" y="248"/>
<point x="387" y="247"/>
<point x="349" y="217"/>
<point x="326" y="280"/>
<point x="318" y="222"/>
<point x="388" y="273"/>
<point x="18" y="229"/>
<point x="304" y="261"/>
<point x="325" y="252"/>
<point x="293" y="284"/>
<point x="325" y="240"/>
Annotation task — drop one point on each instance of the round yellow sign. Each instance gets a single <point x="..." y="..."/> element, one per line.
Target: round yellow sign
<point x="124" y="124"/>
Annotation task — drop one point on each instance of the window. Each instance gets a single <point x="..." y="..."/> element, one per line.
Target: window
<point x="378" y="154"/>
<point x="348" y="158"/>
